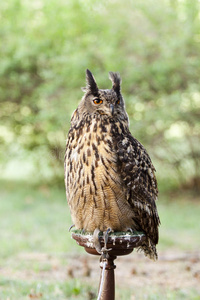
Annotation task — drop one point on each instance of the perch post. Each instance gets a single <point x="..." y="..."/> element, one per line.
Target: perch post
<point x="120" y="243"/>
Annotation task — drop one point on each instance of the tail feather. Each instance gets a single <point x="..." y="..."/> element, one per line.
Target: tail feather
<point x="149" y="250"/>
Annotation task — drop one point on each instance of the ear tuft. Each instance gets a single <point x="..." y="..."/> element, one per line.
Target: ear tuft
<point x="91" y="85"/>
<point x="116" y="81"/>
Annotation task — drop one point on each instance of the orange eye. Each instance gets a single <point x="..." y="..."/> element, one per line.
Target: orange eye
<point x="118" y="102"/>
<point x="97" y="101"/>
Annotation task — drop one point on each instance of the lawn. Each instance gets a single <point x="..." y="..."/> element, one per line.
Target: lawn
<point x="39" y="260"/>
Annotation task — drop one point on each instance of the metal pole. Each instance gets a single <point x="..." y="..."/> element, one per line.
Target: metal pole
<point x="108" y="288"/>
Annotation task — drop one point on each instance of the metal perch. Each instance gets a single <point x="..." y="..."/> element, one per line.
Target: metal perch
<point x="120" y="243"/>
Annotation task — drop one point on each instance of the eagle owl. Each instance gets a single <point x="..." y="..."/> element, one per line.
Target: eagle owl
<point x="109" y="177"/>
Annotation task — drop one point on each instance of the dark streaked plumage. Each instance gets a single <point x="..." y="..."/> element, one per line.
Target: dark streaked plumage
<point x="109" y="177"/>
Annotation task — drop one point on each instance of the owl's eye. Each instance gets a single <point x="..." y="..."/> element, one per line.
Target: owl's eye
<point x="118" y="102"/>
<point x="97" y="101"/>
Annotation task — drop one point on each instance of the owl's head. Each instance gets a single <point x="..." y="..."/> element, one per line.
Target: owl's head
<point x="103" y="102"/>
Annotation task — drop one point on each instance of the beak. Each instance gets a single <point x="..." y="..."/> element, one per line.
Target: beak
<point x="112" y="109"/>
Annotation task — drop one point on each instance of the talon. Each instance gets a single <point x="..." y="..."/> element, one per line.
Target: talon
<point x="106" y="236"/>
<point x="71" y="227"/>
<point x="96" y="240"/>
<point x="129" y="230"/>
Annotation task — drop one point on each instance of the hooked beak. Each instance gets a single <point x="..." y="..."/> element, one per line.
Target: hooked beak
<point x="112" y="109"/>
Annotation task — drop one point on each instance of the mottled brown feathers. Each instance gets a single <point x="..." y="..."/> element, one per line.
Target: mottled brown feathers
<point x="116" y="81"/>
<point x="91" y="83"/>
<point x="109" y="177"/>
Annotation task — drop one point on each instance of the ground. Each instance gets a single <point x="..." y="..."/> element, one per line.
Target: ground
<point x="173" y="276"/>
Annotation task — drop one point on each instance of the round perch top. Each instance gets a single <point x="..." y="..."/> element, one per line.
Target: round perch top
<point x="121" y="243"/>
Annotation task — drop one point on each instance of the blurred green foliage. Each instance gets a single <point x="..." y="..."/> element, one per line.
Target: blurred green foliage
<point x="46" y="45"/>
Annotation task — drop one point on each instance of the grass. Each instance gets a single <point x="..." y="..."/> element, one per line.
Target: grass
<point x="36" y="248"/>
<point x="19" y="289"/>
<point x="180" y="223"/>
<point x="34" y="219"/>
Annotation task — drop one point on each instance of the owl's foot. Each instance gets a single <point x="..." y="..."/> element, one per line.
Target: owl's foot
<point x="104" y="250"/>
<point x="101" y="250"/>
<point x="71" y="227"/>
<point x="106" y="236"/>
<point x="96" y="240"/>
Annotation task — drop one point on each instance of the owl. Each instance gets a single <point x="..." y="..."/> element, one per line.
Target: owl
<point x="109" y="177"/>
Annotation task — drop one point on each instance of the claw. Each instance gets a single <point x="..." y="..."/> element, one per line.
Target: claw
<point x="129" y="230"/>
<point x="71" y="227"/>
<point x="103" y="251"/>
<point x="106" y="236"/>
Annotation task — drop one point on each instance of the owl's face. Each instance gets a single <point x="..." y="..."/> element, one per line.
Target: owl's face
<point x="103" y="102"/>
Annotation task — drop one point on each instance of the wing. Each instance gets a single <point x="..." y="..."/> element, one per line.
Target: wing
<point x="138" y="173"/>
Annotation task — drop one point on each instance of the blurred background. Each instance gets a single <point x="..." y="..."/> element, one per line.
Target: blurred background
<point x="45" y="48"/>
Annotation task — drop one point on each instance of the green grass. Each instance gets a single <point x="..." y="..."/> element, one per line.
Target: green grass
<point x="34" y="219"/>
<point x="157" y="294"/>
<point x="35" y="242"/>
<point x="19" y="289"/>
<point x="180" y="223"/>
